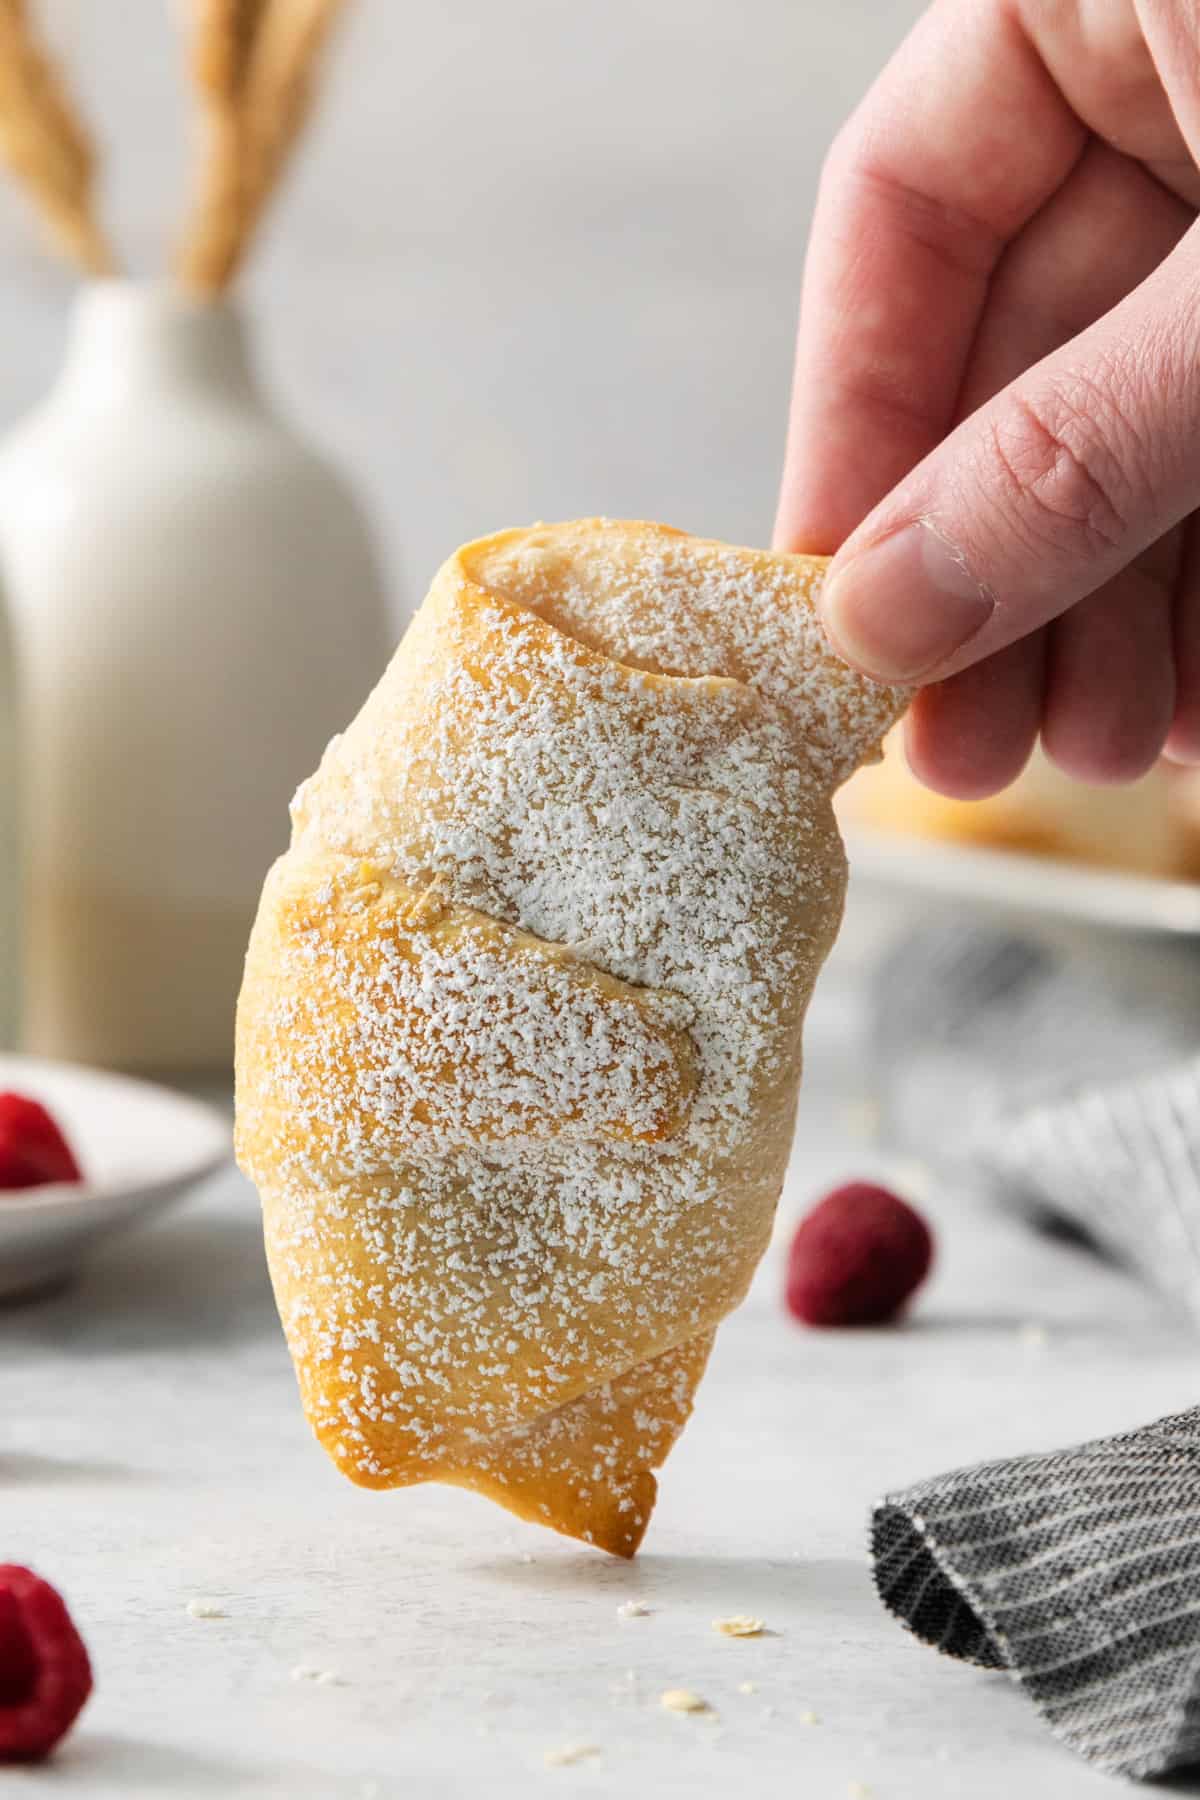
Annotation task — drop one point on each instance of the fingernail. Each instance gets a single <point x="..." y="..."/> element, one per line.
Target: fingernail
<point x="900" y="608"/>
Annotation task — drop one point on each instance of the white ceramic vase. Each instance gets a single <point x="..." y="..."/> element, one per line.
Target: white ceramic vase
<point x="197" y="608"/>
<point x="10" y="896"/>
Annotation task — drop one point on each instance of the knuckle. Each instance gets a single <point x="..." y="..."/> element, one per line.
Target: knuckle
<point x="1071" y="465"/>
<point x="841" y="167"/>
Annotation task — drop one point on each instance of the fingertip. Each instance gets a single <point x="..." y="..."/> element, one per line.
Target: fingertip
<point x="1183" y="747"/>
<point x="1071" y="745"/>
<point x="1111" y="699"/>
<point x="899" y="608"/>
<point x="970" y="736"/>
<point x="943" y="759"/>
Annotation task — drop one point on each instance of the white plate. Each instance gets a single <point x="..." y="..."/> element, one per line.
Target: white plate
<point x="139" y="1147"/>
<point x="1035" y="888"/>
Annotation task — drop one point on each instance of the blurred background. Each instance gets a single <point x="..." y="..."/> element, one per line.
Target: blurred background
<point x="534" y="260"/>
<point x="531" y="260"/>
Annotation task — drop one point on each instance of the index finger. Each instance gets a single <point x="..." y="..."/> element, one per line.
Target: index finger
<point x="959" y="143"/>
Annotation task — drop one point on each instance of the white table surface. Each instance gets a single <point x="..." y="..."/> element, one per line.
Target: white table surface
<point x="152" y="1451"/>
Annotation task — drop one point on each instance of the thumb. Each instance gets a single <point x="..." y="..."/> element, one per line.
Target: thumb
<point x="1035" y="500"/>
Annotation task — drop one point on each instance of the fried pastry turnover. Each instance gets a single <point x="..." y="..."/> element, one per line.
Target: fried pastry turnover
<point x="519" y="1042"/>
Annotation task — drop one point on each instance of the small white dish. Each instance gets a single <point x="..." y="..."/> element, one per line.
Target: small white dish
<point x="1037" y="889"/>
<point x="139" y="1146"/>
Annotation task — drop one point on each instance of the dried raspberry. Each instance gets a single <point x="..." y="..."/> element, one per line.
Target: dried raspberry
<point x="32" y="1148"/>
<point x="45" y="1675"/>
<point x="857" y="1257"/>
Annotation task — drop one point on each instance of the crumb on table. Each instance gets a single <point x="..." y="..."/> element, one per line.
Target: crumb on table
<point x="739" y="1625"/>
<point x="683" y="1700"/>
<point x="206" y="1609"/>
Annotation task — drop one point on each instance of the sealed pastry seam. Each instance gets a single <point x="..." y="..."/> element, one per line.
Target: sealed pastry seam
<point x="519" y="1040"/>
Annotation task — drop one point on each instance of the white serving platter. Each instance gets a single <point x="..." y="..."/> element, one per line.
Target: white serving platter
<point x="140" y="1147"/>
<point x="1037" y="889"/>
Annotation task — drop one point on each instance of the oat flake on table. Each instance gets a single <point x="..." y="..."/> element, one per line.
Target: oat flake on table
<point x="206" y="1609"/>
<point x="569" y="1754"/>
<point x="683" y="1700"/>
<point x="740" y="1625"/>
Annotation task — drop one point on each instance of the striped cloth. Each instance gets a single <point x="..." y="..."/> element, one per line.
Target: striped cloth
<point x="1077" y="1571"/>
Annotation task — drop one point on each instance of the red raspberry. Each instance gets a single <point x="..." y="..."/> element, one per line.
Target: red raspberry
<point x="857" y="1257"/>
<point x="32" y="1148"/>
<point x="45" y="1675"/>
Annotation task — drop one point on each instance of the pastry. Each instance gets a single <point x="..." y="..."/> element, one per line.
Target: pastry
<point x="1043" y="813"/>
<point x="519" y="1038"/>
<point x="1183" y="791"/>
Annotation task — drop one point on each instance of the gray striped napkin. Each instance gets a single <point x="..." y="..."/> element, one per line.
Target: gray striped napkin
<point x="1069" y="1088"/>
<point x="1079" y="1573"/>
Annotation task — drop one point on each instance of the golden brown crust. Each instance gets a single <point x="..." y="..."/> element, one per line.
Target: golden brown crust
<point x="558" y="1469"/>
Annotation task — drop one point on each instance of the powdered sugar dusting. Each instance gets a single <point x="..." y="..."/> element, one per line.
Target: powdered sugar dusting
<point x="520" y="1041"/>
<point x="450" y="1029"/>
<point x="751" y="616"/>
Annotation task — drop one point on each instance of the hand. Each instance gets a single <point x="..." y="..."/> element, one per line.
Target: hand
<point x="997" y="390"/>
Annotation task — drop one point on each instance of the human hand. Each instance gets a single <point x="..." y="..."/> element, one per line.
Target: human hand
<point x="996" y="411"/>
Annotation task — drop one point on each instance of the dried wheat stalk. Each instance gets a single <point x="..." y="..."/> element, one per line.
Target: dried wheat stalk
<point x="44" y="144"/>
<point x="281" y="87"/>
<point x="224" y="42"/>
<point x="255" y="65"/>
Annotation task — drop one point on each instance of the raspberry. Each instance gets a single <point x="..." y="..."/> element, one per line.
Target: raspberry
<point x="18" y="1659"/>
<point x="857" y="1257"/>
<point x="32" y="1148"/>
<point x="45" y="1675"/>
